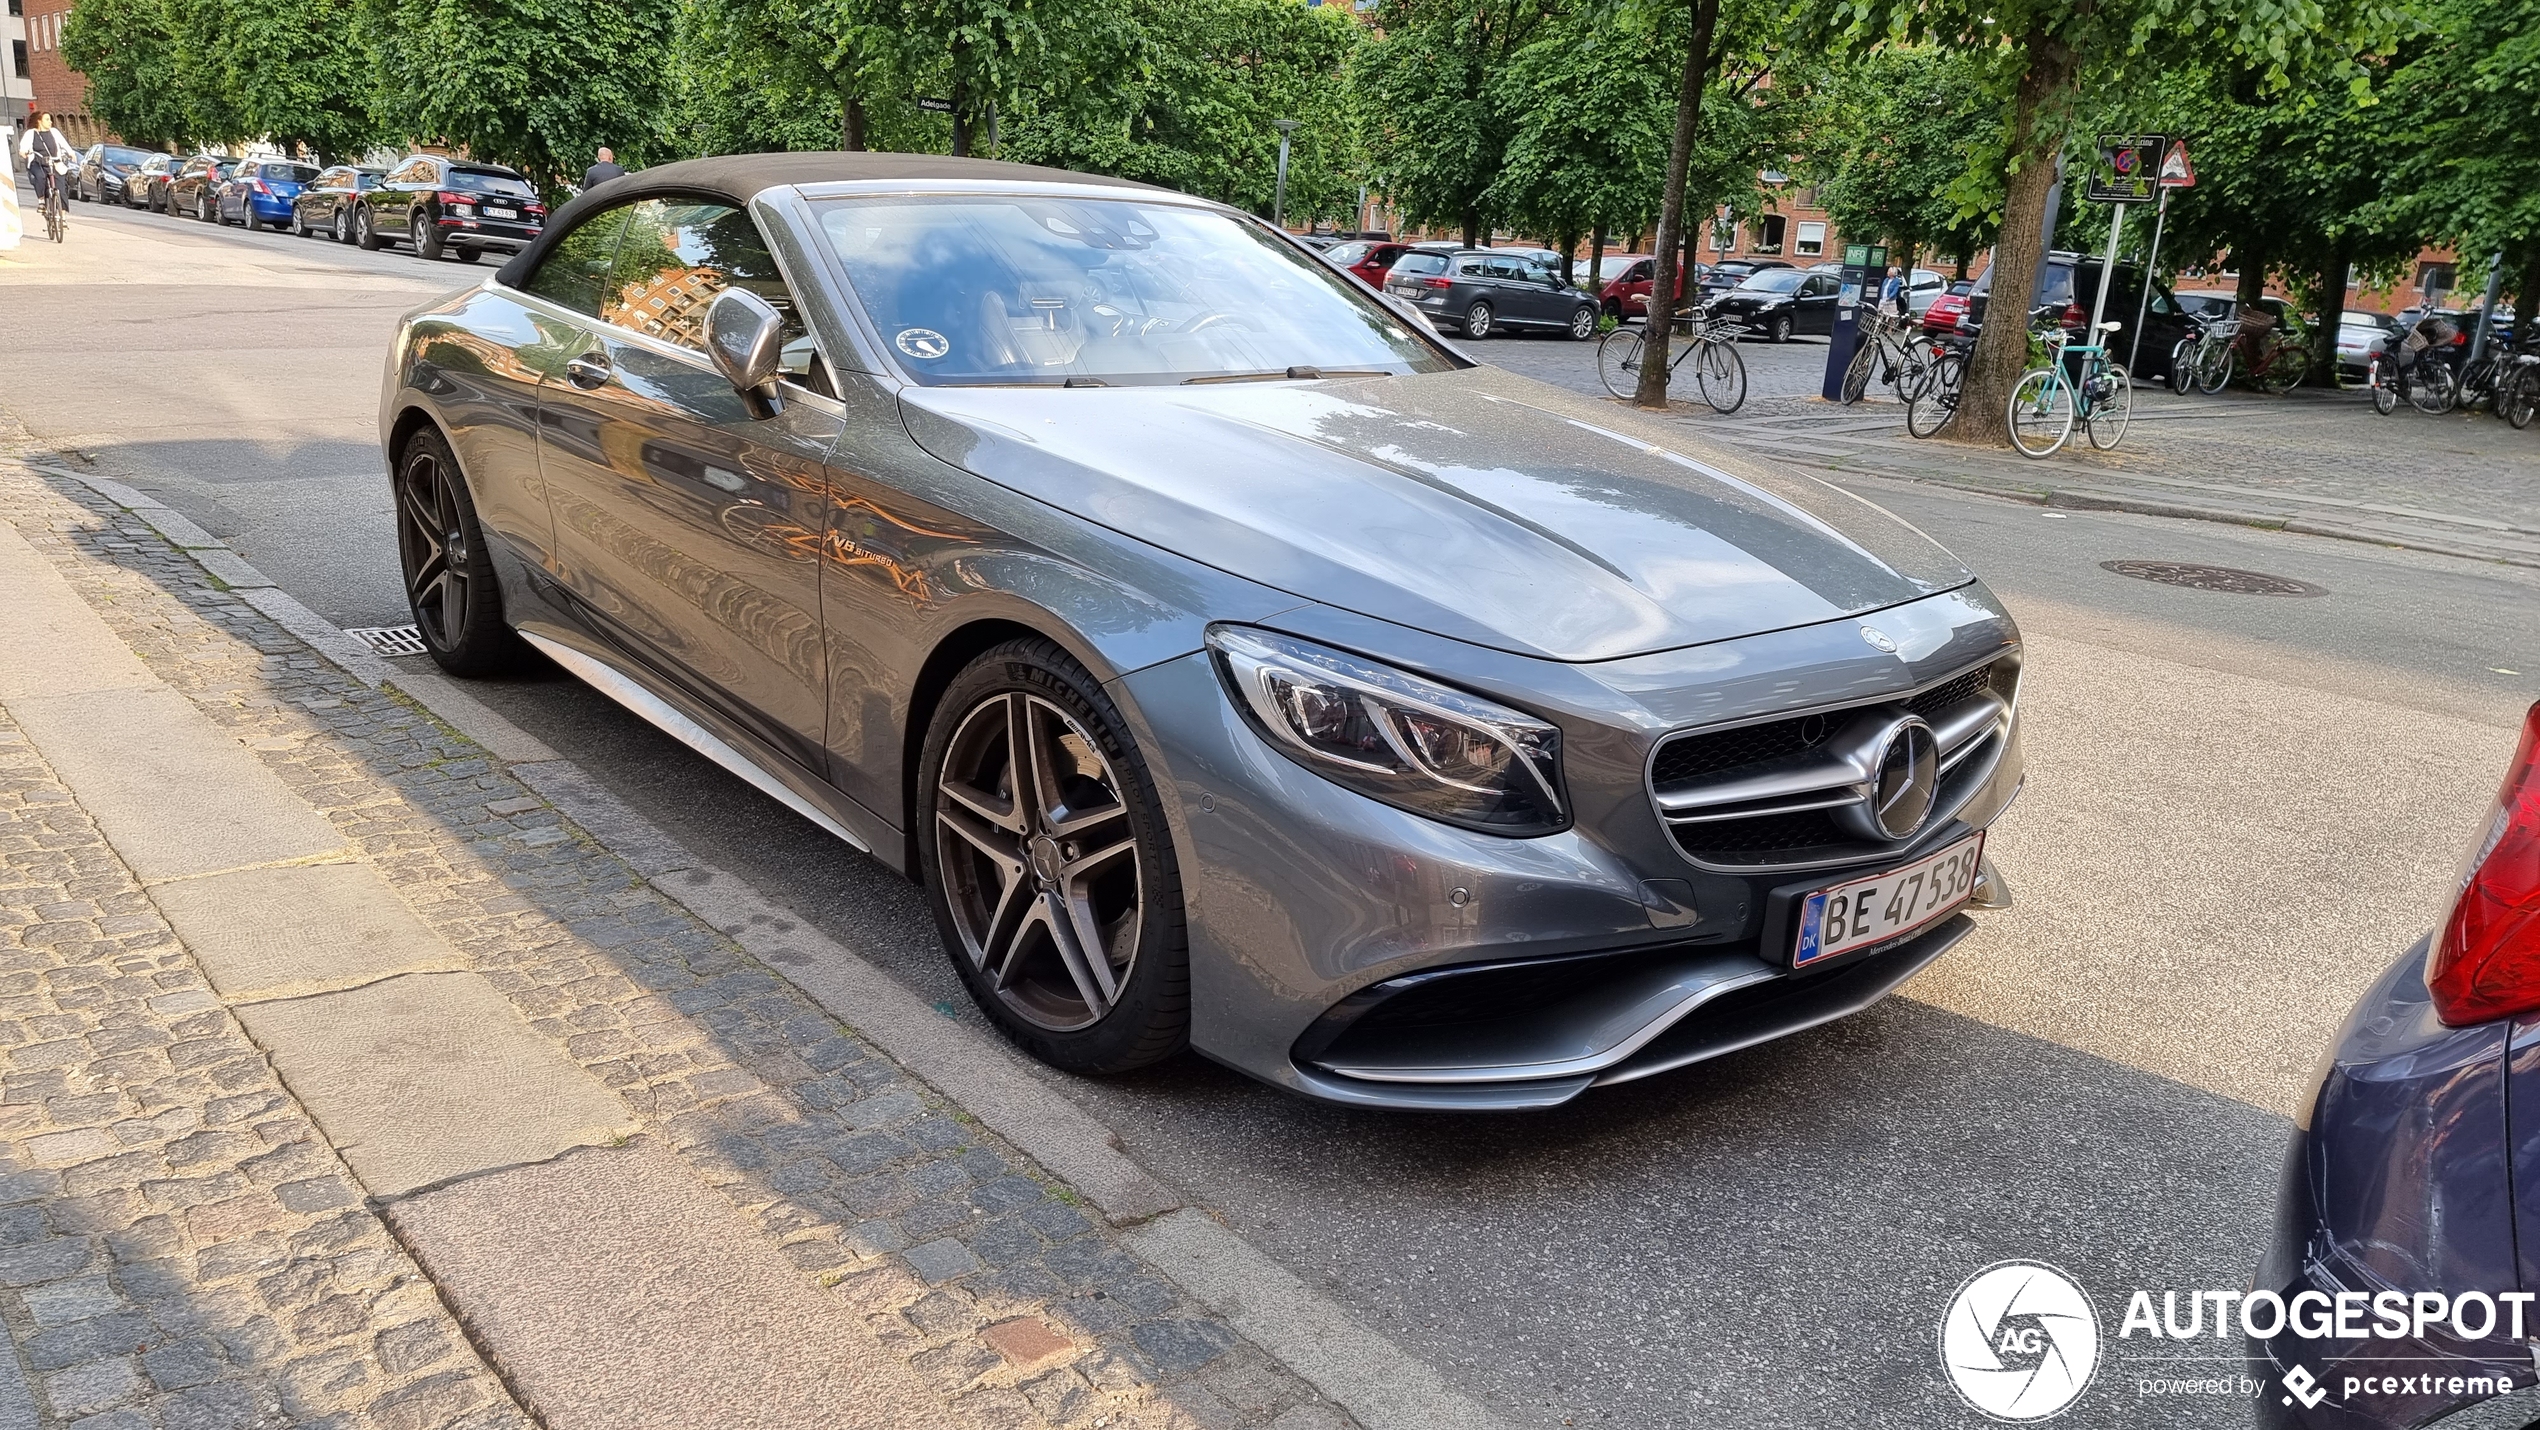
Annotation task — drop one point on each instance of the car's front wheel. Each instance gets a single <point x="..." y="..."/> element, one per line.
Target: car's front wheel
<point x="364" y="235"/>
<point x="1049" y="865"/>
<point x="1780" y="330"/>
<point x="1583" y="323"/>
<point x="449" y="572"/>
<point x="427" y="232"/>
<point x="1477" y="321"/>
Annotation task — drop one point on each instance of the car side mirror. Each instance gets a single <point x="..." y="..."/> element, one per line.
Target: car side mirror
<point x="745" y="338"/>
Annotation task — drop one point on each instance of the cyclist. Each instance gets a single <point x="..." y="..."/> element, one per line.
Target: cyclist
<point x="48" y="157"/>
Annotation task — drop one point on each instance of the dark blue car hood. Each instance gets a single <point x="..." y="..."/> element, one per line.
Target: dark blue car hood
<point x="1475" y="505"/>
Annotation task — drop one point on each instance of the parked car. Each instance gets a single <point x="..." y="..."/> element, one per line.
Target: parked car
<point x="260" y="192"/>
<point x="1520" y="742"/>
<point x="1778" y="302"/>
<point x="2407" y="1174"/>
<point x="1924" y="287"/>
<point x="324" y="204"/>
<point x="146" y="187"/>
<point x="1370" y="259"/>
<point x="1948" y="313"/>
<point x="443" y="205"/>
<point x="1480" y="292"/>
<point x="106" y="171"/>
<point x="195" y="190"/>
<point x="2206" y="302"/>
<point x="2072" y="284"/>
<point x="1544" y="257"/>
<point x="1626" y="294"/>
<point x="1718" y="278"/>
<point x="2361" y="337"/>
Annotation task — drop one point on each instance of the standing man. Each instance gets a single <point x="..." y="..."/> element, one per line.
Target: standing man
<point x="603" y="171"/>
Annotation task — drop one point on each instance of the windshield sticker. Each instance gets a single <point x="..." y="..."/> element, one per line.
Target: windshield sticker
<point x="923" y="343"/>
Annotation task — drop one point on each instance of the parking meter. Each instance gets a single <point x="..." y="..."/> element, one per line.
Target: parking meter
<point x="1864" y="270"/>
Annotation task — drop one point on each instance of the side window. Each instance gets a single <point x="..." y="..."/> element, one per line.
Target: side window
<point x="575" y="272"/>
<point x="677" y="255"/>
<point x="1640" y="273"/>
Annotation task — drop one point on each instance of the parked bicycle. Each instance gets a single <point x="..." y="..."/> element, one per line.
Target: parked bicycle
<point x="2272" y="354"/>
<point x="1935" y="403"/>
<point x="1718" y="372"/>
<point x="2414" y="370"/>
<point x="2518" y="391"/>
<point x="2078" y="384"/>
<point x="1887" y="350"/>
<point x="2482" y="378"/>
<point x="2202" y="361"/>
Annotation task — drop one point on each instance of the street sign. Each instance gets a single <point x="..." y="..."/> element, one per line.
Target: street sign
<point x="2128" y="170"/>
<point x="2176" y="172"/>
<point x="935" y="106"/>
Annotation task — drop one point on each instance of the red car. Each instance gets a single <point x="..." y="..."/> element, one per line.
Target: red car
<point x="1947" y="314"/>
<point x="1368" y="258"/>
<point x="1628" y="295"/>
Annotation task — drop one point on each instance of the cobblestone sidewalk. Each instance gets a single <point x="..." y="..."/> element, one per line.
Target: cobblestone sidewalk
<point x="282" y="1300"/>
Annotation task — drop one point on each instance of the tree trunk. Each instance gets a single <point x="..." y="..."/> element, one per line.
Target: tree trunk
<point x="1472" y="227"/>
<point x="1659" y="326"/>
<point x="2253" y="273"/>
<point x="2001" y="353"/>
<point x="2332" y="308"/>
<point x="1568" y="242"/>
<point x="851" y="125"/>
<point x="1596" y="264"/>
<point x="2527" y="302"/>
<point x="960" y="120"/>
<point x="1964" y="259"/>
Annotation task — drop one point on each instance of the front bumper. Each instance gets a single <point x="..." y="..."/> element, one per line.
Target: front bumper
<point x="1353" y="952"/>
<point x="2395" y="1183"/>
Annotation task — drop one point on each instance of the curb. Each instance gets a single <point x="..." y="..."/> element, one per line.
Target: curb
<point x="1384" y="1387"/>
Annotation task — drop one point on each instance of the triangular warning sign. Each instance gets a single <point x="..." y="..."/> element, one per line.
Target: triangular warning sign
<point x="2176" y="172"/>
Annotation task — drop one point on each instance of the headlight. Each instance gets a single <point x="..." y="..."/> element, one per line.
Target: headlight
<point x="1395" y="737"/>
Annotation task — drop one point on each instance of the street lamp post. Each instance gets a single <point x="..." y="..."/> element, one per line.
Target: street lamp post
<point x="1279" y="202"/>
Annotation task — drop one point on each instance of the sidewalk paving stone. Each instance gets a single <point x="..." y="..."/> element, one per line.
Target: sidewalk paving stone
<point x="865" y="1179"/>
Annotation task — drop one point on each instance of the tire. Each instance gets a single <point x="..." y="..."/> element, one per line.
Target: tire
<point x="2108" y="421"/>
<point x="1779" y="332"/>
<point x="299" y="223"/>
<point x="2384" y="382"/>
<point x="1721" y="374"/>
<point x="364" y="236"/>
<point x="1937" y="404"/>
<point x="1582" y="323"/>
<point x="2520" y="398"/>
<point x="1036" y="901"/>
<point x="249" y="219"/>
<point x="1618" y="362"/>
<point x="2041" y="412"/>
<point x="446" y="565"/>
<point x="426" y="230"/>
<point x="343" y="226"/>
<point x="1856" y="377"/>
<point x="467" y="255"/>
<point x="2433" y="392"/>
<point x="2214" y="368"/>
<point x="2182" y="373"/>
<point x="1477" y="322"/>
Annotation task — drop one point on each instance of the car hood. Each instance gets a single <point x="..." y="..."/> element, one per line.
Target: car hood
<point x="1475" y="505"/>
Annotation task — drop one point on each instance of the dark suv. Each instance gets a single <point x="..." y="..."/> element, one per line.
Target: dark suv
<point x="1479" y="292"/>
<point x="443" y="205"/>
<point x="2072" y="284"/>
<point x="105" y="170"/>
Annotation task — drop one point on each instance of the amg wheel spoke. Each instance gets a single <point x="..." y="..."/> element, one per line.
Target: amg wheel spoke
<point x="1012" y="917"/>
<point x="991" y="839"/>
<point x="1090" y="859"/>
<point x="1083" y="956"/>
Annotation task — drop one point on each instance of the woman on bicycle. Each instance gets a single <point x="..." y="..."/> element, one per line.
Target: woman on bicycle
<point x="48" y="158"/>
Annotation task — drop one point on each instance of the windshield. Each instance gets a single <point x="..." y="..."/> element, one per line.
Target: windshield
<point x="1008" y="288"/>
<point x="1774" y="280"/>
<point x="1346" y="254"/>
<point x="478" y="181"/>
<point x="1415" y="264"/>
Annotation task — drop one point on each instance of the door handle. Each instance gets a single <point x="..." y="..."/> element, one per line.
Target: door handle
<point x="586" y="372"/>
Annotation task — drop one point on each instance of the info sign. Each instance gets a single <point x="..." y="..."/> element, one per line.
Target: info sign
<point x="2128" y="171"/>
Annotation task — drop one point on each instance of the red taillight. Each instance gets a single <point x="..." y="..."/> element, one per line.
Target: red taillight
<point x="259" y="186"/>
<point x="2486" y="959"/>
<point x="2074" y="317"/>
<point x="1437" y="283"/>
<point x="450" y="198"/>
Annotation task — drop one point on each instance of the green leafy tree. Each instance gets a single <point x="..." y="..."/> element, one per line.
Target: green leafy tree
<point x="1897" y="139"/>
<point x="2041" y="57"/>
<point x="991" y="57"/>
<point x="1587" y="151"/>
<point x="127" y="49"/>
<point x="535" y="84"/>
<point x="797" y="74"/>
<point x="1191" y="104"/>
<point x="1437" y="124"/>
<point x="301" y="74"/>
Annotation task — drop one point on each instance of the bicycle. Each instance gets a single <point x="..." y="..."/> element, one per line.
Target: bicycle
<point x="1935" y="404"/>
<point x="2481" y="380"/>
<point x="1718" y="372"/>
<point x="1886" y="350"/>
<point x="2202" y="362"/>
<point x="2047" y="402"/>
<point x="57" y="209"/>
<point x="2427" y="384"/>
<point x="2279" y="357"/>
<point x="2518" y="391"/>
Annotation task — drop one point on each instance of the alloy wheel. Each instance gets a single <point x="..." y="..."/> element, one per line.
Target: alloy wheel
<point x="1477" y="321"/>
<point x="1040" y="861"/>
<point x="432" y="539"/>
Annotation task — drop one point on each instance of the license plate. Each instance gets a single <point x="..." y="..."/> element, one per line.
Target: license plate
<point x="1884" y="906"/>
<point x="492" y="212"/>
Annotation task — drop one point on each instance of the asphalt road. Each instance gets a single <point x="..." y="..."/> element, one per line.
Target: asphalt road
<point x="2240" y="809"/>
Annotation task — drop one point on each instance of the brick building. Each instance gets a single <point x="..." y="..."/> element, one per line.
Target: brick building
<point x="57" y="89"/>
<point x="17" y="73"/>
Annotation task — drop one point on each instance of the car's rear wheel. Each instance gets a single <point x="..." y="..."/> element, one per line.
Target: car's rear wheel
<point x="1477" y="321"/>
<point x="467" y="255"/>
<point x="1049" y="865"/>
<point x="364" y="235"/>
<point x="249" y="217"/>
<point x="449" y="571"/>
<point x="427" y="227"/>
<point x="1582" y="323"/>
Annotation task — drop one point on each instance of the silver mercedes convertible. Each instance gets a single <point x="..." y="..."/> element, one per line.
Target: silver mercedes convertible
<point x="1237" y="665"/>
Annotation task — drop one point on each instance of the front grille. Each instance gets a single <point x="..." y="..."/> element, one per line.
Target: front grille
<point x="1691" y="776"/>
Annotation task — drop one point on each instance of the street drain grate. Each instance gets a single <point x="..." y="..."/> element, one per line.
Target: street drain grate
<point x="2226" y="579"/>
<point x="390" y="640"/>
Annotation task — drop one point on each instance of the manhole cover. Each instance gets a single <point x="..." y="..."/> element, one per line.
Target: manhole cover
<point x="2227" y="579"/>
<point x="390" y="640"/>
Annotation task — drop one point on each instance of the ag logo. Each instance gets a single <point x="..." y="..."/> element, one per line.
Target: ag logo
<point x="923" y="343"/>
<point x="2020" y="1341"/>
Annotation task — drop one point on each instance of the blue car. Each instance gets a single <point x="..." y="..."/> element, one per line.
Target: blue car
<point x="2406" y="1250"/>
<point x="260" y="192"/>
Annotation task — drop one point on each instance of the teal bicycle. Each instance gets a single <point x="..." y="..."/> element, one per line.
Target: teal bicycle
<point x="2078" y="384"/>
